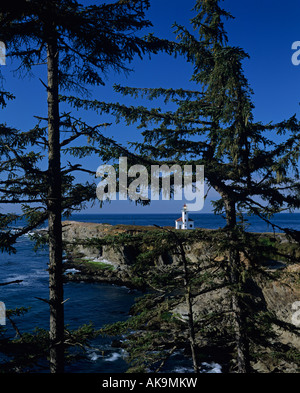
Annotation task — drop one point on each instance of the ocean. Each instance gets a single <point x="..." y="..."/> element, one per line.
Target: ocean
<point x="209" y="221"/>
<point x="99" y="304"/>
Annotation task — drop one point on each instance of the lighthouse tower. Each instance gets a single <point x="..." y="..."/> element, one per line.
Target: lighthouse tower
<point x="185" y="217"/>
<point x="184" y="222"/>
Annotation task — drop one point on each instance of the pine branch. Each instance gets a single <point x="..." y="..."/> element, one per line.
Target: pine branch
<point x="11" y="282"/>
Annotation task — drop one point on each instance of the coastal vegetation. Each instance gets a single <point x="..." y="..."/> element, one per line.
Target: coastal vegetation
<point x="68" y="39"/>
<point x="205" y="288"/>
<point x="214" y="126"/>
<point x="187" y="302"/>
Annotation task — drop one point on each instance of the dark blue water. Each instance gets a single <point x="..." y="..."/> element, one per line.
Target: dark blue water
<point x="209" y="221"/>
<point x="97" y="303"/>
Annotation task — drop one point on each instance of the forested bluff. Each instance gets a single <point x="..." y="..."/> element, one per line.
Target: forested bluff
<point x="115" y="262"/>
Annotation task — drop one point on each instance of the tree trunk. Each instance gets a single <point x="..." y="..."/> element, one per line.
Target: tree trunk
<point x="54" y="215"/>
<point x="230" y="212"/>
<point x="189" y="303"/>
<point x="241" y="341"/>
<point x="191" y="328"/>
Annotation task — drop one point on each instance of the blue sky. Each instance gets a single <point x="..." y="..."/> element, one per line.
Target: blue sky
<point x="265" y="29"/>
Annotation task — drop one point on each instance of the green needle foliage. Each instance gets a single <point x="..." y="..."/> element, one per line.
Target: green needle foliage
<point x="213" y="125"/>
<point x="188" y="302"/>
<point x="78" y="45"/>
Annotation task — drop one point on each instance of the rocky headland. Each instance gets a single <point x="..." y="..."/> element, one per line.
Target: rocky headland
<point x="113" y="264"/>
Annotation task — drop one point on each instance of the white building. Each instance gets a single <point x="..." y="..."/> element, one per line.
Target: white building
<point x="184" y="222"/>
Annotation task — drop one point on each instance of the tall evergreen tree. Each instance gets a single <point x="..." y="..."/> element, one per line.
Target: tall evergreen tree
<point x="79" y="45"/>
<point x="214" y="126"/>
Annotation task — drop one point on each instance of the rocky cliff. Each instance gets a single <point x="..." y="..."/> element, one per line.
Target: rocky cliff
<point x="113" y="264"/>
<point x="105" y="263"/>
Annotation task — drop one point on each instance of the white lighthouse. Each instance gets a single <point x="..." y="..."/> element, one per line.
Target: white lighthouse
<point x="184" y="222"/>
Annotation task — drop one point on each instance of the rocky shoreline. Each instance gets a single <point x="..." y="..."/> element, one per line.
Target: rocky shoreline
<point x="113" y="265"/>
<point x="88" y="271"/>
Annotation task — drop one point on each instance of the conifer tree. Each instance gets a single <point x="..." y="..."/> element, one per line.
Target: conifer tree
<point x="79" y="45"/>
<point x="189" y="305"/>
<point x="214" y="126"/>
